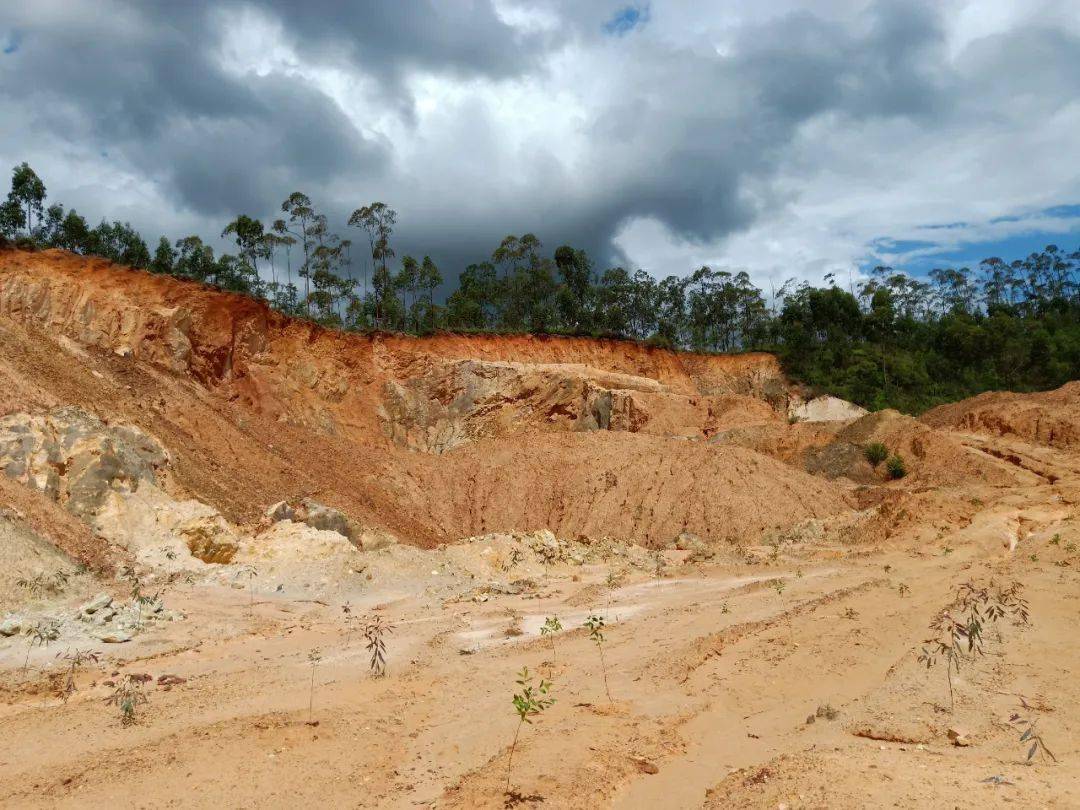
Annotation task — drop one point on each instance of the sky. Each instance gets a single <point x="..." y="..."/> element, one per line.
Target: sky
<point x="788" y="138"/>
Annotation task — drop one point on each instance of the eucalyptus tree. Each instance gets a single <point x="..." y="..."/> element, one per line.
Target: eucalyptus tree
<point x="377" y="220"/>
<point x="248" y="234"/>
<point x="407" y="280"/>
<point x="304" y="223"/>
<point x="28" y="192"/>
<point x="429" y="280"/>
<point x="164" y="259"/>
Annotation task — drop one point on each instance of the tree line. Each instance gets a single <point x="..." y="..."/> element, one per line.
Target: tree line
<point x="894" y="340"/>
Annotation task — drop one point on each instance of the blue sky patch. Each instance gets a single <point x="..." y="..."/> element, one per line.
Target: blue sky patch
<point x="919" y="256"/>
<point x="12" y="42"/>
<point x="627" y="19"/>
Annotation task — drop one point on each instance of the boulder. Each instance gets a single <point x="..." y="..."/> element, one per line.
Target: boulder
<point x="114" y="636"/>
<point x="320" y="516"/>
<point x="103" y="616"/>
<point x="281" y="511"/>
<point x="959" y="737"/>
<point x="688" y="541"/>
<point x="10" y="626"/>
<point x="102" y="600"/>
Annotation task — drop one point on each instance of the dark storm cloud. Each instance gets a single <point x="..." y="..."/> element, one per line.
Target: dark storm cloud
<point x="153" y="92"/>
<point x="686" y="132"/>
<point x="462" y="37"/>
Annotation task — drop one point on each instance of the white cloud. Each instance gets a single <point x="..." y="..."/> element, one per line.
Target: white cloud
<point x="789" y="138"/>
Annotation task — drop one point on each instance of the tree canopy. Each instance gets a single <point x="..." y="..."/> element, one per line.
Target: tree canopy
<point x="896" y="340"/>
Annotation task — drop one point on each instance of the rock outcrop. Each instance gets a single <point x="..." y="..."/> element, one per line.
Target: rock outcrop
<point x="456" y="402"/>
<point x="76" y="459"/>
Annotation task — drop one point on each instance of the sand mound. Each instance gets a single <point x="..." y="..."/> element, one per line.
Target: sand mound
<point x="628" y="486"/>
<point x="825" y="409"/>
<point x="787" y="443"/>
<point x="1050" y="418"/>
<point x="31" y="565"/>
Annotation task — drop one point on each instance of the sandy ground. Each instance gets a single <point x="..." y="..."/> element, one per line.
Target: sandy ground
<point x="713" y="673"/>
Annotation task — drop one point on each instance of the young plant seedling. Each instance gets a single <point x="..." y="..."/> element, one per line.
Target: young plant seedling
<point x="659" y="564"/>
<point x="615" y="579"/>
<point x="596" y="635"/>
<point x="142" y="600"/>
<point x="139" y="598"/>
<point x="954" y="638"/>
<point x="528" y="703"/>
<point x="250" y="571"/>
<point x="350" y="621"/>
<point x="43" y="583"/>
<point x="551" y="626"/>
<point x="950" y="648"/>
<point x="76" y="659"/>
<point x="375" y="631"/>
<point x="41" y="635"/>
<point x="127" y="696"/>
<point x="313" y="657"/>
<point x="778" y="586"/>
<point x="1031" y="733"/>
<point x="903" y="589"/>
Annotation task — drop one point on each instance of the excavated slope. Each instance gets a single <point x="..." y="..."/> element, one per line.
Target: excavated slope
<point x="1050" y="418"/>
<point x="514" y="433"/>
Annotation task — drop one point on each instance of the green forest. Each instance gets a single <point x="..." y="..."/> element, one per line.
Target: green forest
<point x="895" y="340"/>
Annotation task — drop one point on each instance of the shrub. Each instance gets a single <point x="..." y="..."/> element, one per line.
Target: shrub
<point x="876" y="453"/>
<point x="895" y="467"/>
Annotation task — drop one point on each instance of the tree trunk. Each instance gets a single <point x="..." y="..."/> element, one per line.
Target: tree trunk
<point x="510" y="761"/>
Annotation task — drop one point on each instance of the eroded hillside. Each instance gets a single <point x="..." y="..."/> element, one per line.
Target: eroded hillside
<point x="254" y="408"/>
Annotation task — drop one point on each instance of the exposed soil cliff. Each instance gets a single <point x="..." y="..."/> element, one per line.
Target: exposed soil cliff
<point x="254" y="407"/>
